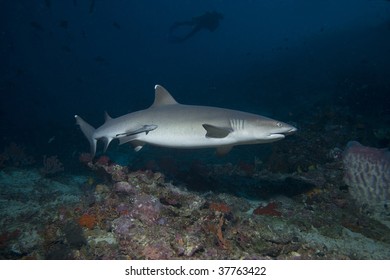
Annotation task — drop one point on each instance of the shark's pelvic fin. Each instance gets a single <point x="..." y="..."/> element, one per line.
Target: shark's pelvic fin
<point x="162" y="97"/>
<point x="138" y="145"/>
<point x="88" y="131"/>
<point x="216" y="132"/>
<point x="125" y="139"/>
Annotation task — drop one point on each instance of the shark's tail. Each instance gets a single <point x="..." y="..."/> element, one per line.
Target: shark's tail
<point x="88" y="131"/>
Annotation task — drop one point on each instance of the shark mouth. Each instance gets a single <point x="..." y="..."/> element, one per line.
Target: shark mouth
<point x="283" y="134"/>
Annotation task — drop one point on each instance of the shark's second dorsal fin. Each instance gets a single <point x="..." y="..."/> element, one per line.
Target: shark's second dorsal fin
<point x="107" y="116"/>
<point x="162" y="97"/>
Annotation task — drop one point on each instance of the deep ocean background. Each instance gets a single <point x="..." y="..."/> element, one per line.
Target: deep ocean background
<point x="321" y="65"/>
<point x="284" y="59"/>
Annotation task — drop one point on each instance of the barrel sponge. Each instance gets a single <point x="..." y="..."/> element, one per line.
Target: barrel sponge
<point x="367" y="173"/>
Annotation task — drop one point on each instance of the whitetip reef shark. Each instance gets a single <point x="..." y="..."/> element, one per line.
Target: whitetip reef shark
<point x="170" y="124"/>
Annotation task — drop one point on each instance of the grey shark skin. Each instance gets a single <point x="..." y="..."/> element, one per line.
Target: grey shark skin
<point x="169" y="124"/>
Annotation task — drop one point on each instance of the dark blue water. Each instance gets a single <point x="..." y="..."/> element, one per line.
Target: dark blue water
<point x="320" y="65"/>
<point x="276" y="58"/>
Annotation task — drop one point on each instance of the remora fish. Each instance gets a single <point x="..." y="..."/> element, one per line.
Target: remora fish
<point x="170" y="124"/>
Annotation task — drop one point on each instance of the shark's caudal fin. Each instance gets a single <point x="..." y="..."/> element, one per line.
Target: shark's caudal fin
<point x="88" y="131"/>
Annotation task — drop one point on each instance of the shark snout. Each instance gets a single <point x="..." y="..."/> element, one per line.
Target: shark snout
<point x="291" y="130"/>
<point x="286" y="129"/>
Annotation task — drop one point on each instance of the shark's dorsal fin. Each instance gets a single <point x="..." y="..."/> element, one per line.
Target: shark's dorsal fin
<point x="107" y="116"/>
<point x="162" y="97"/>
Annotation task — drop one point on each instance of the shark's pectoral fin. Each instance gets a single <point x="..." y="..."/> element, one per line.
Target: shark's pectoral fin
<point x="223" y="150"/>
<point x="215" y="131"/>
<point x="137" y="145"/>
<point x="145" y="128"/>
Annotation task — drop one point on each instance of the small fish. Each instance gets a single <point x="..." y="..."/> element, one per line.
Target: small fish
<point x="63" y="24"/>
<point x="66" y="49"/>
<point x="36" y="25"/>
<point x="116" y="25"/>
<point x="48" y="3"/>
<point x="19" y="72"/>
<point x="91" y="6"/>
<point x="90" y="181"/>
<point x="101" y="60"/>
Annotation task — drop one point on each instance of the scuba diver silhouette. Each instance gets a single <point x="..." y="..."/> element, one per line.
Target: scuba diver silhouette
<point x="209" y="20"/>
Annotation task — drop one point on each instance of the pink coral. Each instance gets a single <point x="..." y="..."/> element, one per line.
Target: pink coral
<point x="124" y="187"/>
<point x="146" y="208"/>
<point x="85" y="158"/>
<point x="15" y="155"/>
<point x="160" y="250"/>
<point x="123" y="225"/>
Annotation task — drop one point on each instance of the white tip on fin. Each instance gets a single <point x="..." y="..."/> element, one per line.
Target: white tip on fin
<point x="138" y="145"/>
<point x="162" y="97"/>
<point x="138" y="148"/>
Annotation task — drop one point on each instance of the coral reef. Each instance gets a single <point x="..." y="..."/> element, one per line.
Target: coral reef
<point x="213" y="210"/>
<point x="367" y="173"/>
<point x="51" y="165"/>
<point x="270" y="209"/>
<point x="88" y="221"/>
<point x="15" y="155"/>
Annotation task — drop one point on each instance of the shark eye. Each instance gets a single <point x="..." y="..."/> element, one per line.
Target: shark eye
<point x="279" y="124"/>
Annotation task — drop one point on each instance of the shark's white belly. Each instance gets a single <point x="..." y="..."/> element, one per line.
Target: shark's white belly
<point x="183" y="127"/>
